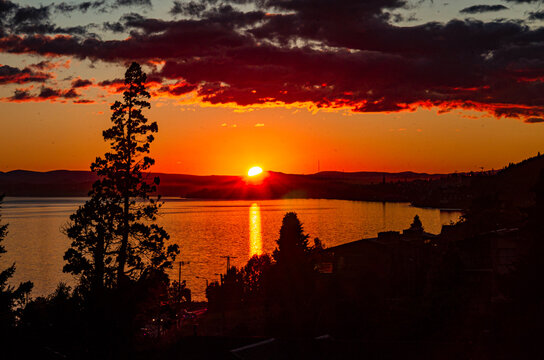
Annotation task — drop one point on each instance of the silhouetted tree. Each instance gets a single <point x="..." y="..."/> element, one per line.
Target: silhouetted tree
<point x="292" y="243"/>
<point x="10" y="297"/>
<point x="93" y="252"/>
<point x="293" y="277"/>
<point x="114" y="237"/>
<point x="416" y="224"/>
<point x="54" y="321"/>
<point x="253" y="275"/>
<point x="179" y="291"/>
<point x="318" y="245"/>
<point x="118" y="251"/>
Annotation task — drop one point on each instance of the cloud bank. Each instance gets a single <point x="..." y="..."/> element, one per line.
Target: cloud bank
<point x="325" y="53"/>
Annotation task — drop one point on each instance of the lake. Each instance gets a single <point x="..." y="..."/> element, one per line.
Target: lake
<point x="205" y="231"/>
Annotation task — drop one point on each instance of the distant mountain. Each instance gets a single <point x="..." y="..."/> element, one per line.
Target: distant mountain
<point x="50" y="183"/>
<point x="330" y="184"/>
<point x="512" y="185"/>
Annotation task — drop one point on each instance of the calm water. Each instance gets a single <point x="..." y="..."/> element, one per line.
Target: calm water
<point x="204" y="230"/>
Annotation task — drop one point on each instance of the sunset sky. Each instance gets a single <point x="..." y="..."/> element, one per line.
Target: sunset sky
<point x="375" y="85"/>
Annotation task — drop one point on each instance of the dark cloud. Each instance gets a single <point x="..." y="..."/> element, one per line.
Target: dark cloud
<point x="190" y="8"/>
<point x="82" y="7"/>
<point x="31" y="14"/>
<point x="84" y="101"/>
<point x="137" y="21"/>
<point x="20" y="96"/>
<point x="17" y="19"/>
<point x="48" y="28"/>
<point x="478" y="9"/>
<point x="320" y="52"/>
<point x="534" y="120"/>
<point x="44" y="65"/>
<point x="49" y="93"/>
<point x="48" y="65"/>
<point x="113" y="82"/>
<point x="13" y="75"/>
<point x="114" y="86"/>
<point x="7" y="6"/>
<point x="45" y="94"/>
<point x="176" y="89"/>
<point x="99" y="5"/>
<point x="73" y="30"/>
<point x="536" y="15"/>
<point x="115" y="27"/>
<point x="70" y="94"/>
<point x="323" y="8"/>
<point x="81" y="83"/>
<point x="145" y="3"/>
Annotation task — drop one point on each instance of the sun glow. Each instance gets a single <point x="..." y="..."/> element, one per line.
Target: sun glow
<point x="254" y="171"/>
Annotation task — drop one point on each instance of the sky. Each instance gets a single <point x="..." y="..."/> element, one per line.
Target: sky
<point x="288" y="85"/>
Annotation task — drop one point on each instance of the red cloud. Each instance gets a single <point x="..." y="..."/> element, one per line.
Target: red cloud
<point x="45" y="94"/>
<point x="343" y="56"/>
<point x="81" y="83"/>
<point x="13" y="75"/>
<point x="84" y="101"/>
<point x="175" y="90"/>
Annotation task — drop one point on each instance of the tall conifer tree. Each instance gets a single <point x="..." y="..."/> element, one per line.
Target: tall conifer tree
<point x="115" y="237"/>
<point x="292" y="247"/>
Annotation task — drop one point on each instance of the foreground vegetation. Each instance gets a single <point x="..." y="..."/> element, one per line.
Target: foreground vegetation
<point x="118" y="254"/>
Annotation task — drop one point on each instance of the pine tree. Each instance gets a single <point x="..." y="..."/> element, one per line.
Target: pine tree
<point x="115" y="237"/>
<point x="92" y="255"/>
<point x="416" y="224"/>
<point x="293" y="277"/>
<point x="292" y="243"/>
<point x="10" y="297"/>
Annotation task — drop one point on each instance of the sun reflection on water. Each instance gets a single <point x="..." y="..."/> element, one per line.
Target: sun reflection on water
<point x="255" y="232"/>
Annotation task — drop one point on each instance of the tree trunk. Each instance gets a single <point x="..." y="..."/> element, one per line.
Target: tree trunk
<point x="124" y="243"/>
<point x="126" y="198"/>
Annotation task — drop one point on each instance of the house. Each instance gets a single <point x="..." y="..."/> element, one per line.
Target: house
<point x="392" y="265"/>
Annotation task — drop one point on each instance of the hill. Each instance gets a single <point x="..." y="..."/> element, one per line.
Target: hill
<point x="511" y="186"/>
<point x="355" y="185"/>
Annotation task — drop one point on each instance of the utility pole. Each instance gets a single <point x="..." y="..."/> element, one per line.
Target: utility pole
<point x="179" y="273"/>
<point x="228" y="257"/>
<point x="179" y="283"/>
<point x="179" y="278"/>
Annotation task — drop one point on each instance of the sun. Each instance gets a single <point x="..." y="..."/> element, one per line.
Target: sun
<point x="254" y="171"/>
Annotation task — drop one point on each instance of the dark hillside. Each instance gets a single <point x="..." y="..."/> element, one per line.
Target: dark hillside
<point x="511" y="187"/>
